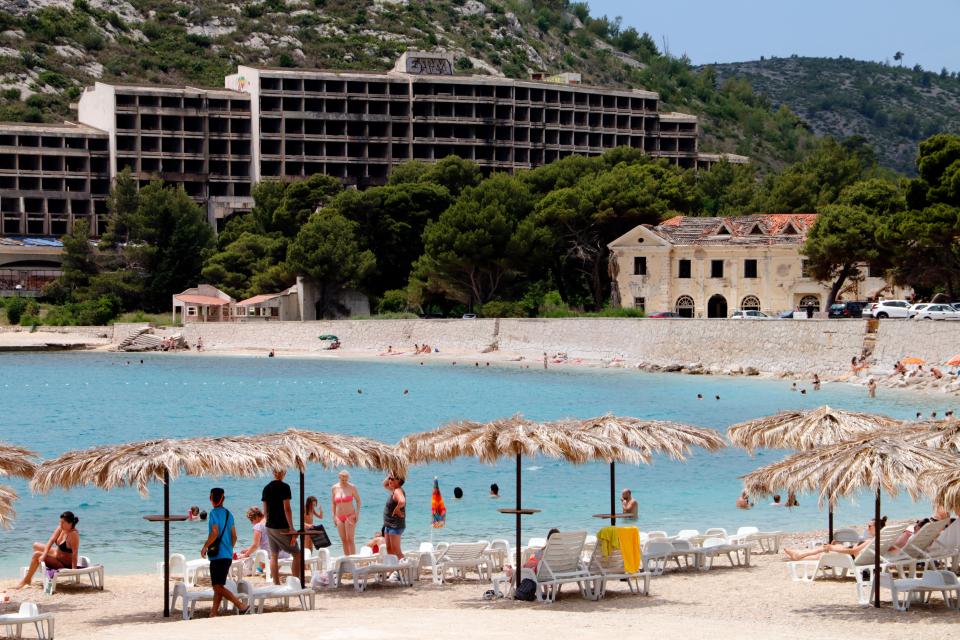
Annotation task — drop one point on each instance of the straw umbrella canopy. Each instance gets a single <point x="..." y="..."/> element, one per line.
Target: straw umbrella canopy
<point x="139" y="464"/>
<point x="331" y="450"/>
<point x="807" y="430"/>
<point x="944" y="487"/>
<point x="887" y="460"/>
<point x="514" y="437"/>
<point x="14" y="461"/>
<point x="647" y="437"/>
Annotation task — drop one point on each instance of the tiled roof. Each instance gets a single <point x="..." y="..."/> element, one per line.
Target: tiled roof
<point x="763" y="228"/>
<point x="190" y="298"/>
<point x="263" y="297"/>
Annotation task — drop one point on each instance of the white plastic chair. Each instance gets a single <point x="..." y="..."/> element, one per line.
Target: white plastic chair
<point x="28" y="614"/>
<point x="258" y="596"/>
<point x="716" y="532"/>
<point x="655" y="556"/>
<point x="686" y="534"/>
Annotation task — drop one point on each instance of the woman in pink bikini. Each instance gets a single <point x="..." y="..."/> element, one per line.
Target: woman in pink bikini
<point x="344" y="515"/>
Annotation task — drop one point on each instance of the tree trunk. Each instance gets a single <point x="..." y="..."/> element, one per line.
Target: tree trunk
<point x="838" y="284"/>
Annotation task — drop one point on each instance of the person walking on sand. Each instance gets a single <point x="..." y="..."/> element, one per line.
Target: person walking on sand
<point x="218" y="548"/>
<point x="345" y="517"/>
<point x="394" y="514"/>
<point x="280" y="532"/>
<point x="872" y="388"/>
<point x="544" y="359"/>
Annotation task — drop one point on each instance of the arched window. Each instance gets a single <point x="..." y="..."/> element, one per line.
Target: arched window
<point x="750" y="303"/>
<point x="810" y="301"/>
<point x="684" y="307"/>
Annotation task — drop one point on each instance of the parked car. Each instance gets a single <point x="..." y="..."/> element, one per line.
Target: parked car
<point x="889" y="309"/>
<point x="664" y="314"/>
<point x="937" y="312"/>
<point x="749" y="315"/>
<point x="916" y="308"/>
<point x="787" y="315"/>
<point x="469" y="316"/>
<point x="850" y="309"/>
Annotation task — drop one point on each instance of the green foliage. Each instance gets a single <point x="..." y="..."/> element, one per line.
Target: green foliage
<point x="234" y="268"/>
<point x="15" y="308"/>
<point x="392" y="301"/>
<point x="94" y="312"/>
<point x="503" y="309"/>
<point x="79" y="264"/>
<point x="121" y="209"/>
<point x="300" y="201"/>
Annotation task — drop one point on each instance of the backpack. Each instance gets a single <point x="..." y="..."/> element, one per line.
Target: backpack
<point x="526" y="591"/>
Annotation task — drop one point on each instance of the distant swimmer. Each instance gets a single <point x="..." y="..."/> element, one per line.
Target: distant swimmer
<point x="360" y="391"/>
<point x="272" y="354"/>
<point x="816" y="382"/>
<point x="803" y="392"/>
<point x="717" y="397"/>
<point x="494" y="490"/>
<point x="476" y="364"/>
<point x="457" y="493"/>
<point x="699" y="396"/>
<point x="743" y="502"/>
<point x="406" y="391"/>
<point x="793" y="387"/>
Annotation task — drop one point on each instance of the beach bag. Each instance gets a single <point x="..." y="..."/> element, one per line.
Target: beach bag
<point x="527" y="590"/>
<point x="214" y="547"/>
<point x="319" y="537"/>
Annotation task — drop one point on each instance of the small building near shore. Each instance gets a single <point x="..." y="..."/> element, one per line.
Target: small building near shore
<point x="203" y="303"/>
<point x="707" y="267"/>
<point x="271" y="306"/>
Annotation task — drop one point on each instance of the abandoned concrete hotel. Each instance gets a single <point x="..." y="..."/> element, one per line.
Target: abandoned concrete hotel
<point x="283" y="124"/>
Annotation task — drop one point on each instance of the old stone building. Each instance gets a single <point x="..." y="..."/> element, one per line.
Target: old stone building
<point x="709" y="267"/>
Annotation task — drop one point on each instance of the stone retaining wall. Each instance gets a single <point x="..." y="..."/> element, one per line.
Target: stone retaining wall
<point x="934" y="341"/>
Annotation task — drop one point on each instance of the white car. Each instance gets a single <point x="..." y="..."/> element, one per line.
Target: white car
<point x="917" y="308"/>
<point x="937" y="312"/>
<point x="888" y="309"/>
<point x="749" y="315"/>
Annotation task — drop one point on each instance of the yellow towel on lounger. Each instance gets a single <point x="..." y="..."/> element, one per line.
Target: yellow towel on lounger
<point x="629" y="548"/>
<point x="608" y="539"/>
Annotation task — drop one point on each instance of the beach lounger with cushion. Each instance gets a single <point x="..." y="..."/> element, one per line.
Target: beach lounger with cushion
<point x="905" y="590"/>
<point x="94" y="572"/>
<point x="27" y="615"/>
<point x="257" y="597"/>
<point x="459" y="556"/>
<point x="560" y="564"/>
<point x="189" y="599"/>
<point x="604" y="569"/>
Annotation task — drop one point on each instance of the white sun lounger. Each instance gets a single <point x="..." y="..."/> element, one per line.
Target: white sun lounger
<point x="460" y="556"/>
<point x="713" y="548"/>
<point x="257" y="596"/>
<point x="94" y="572"/>
<point x="921" y="546"/>
<point x="905" y="590"/>
<point x="189" y="599"/>
<point x="604" y="569"/>
<point x="560" y="564"/>
<point x="656" y="555"/>
<point x="27" y="615"/>
<point x="379" y="570"/>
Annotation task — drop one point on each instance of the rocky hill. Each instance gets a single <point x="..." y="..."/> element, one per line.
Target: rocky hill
<point x="893" y="107"/>
<point x="51" y="49"/>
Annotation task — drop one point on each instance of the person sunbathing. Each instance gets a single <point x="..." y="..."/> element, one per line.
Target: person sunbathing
<point x="377" y="542"/>
<point x="62" y="550"/>
<point x="836" y="547"/>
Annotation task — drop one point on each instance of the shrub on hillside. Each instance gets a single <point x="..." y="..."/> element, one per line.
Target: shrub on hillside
<point x="15" y="309"/>
<point x="503" y="309"/>
<point x="90" y="312"/>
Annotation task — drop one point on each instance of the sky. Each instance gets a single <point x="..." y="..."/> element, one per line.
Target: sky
<point x="926" y="31"/>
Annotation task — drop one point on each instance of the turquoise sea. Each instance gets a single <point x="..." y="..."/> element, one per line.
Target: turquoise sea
<point x="56" y="402"/>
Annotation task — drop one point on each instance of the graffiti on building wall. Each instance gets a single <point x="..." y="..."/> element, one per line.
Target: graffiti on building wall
<point x="429" y="66"/>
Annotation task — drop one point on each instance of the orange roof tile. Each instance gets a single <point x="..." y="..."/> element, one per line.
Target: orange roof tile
<point x="196" y="299"/>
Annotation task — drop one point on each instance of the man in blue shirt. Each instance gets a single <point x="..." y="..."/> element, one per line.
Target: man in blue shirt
<point x="219" y="543"/>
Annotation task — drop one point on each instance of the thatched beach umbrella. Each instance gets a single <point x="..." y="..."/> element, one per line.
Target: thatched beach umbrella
<point x="139" y="464"/>
<point x="806" y="430"/>
<point x="888" y="460"/>
<point x="943" y="486"/>
<point x="18" y="462"/>
<point x="331" y="450"/>
<point x="514" y="437"/>
<point x="648" y="437"/>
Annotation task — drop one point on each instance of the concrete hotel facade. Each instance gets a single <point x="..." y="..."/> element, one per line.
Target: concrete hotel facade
<point x="708" y="267"/>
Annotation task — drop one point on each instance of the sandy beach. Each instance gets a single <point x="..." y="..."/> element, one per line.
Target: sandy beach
<point x="752" y="602"/>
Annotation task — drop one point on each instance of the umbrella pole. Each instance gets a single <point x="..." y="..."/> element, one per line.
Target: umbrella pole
<point x="517" y="572"/>
<point x="303" y="539"/>
<point x="166" y="544"/>
<point x="876" y="551"/>
<point x="613" y="492"/>
<point x="830" y="525"/>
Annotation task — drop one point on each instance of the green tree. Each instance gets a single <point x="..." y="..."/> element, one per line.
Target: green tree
<point x="234" y="268"/>
<point x="79" y="261"/>
<point x="172" y="241"/>
<point x="727" y="189"/>
<point x="328" y="252"/>
<point x="300" y="201"/>
<point x="938" y="165"/>
<point x="121" y="210"/>
<point x="926" y="248"/>
<point x="473" y="248"/>
<point x="842" y="239"/>
<point x="454" y="173"/>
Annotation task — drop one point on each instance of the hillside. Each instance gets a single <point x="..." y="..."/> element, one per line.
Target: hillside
<point x="893" y="107"/>
<point x="51" y="49"/>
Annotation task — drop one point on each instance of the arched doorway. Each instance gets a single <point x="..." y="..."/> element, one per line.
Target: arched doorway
<point x="810" y="302"/>
<point x="684" y="307"/>
<point x="717" y="306"/>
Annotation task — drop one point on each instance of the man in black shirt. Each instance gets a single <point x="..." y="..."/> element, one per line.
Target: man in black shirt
<point x="276" y="506"/>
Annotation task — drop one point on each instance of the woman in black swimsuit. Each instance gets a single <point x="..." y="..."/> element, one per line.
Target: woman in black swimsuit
<point x="62" y="550"/>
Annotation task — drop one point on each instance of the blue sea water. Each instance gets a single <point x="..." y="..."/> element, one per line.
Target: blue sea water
<point x="52" y="403"/>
